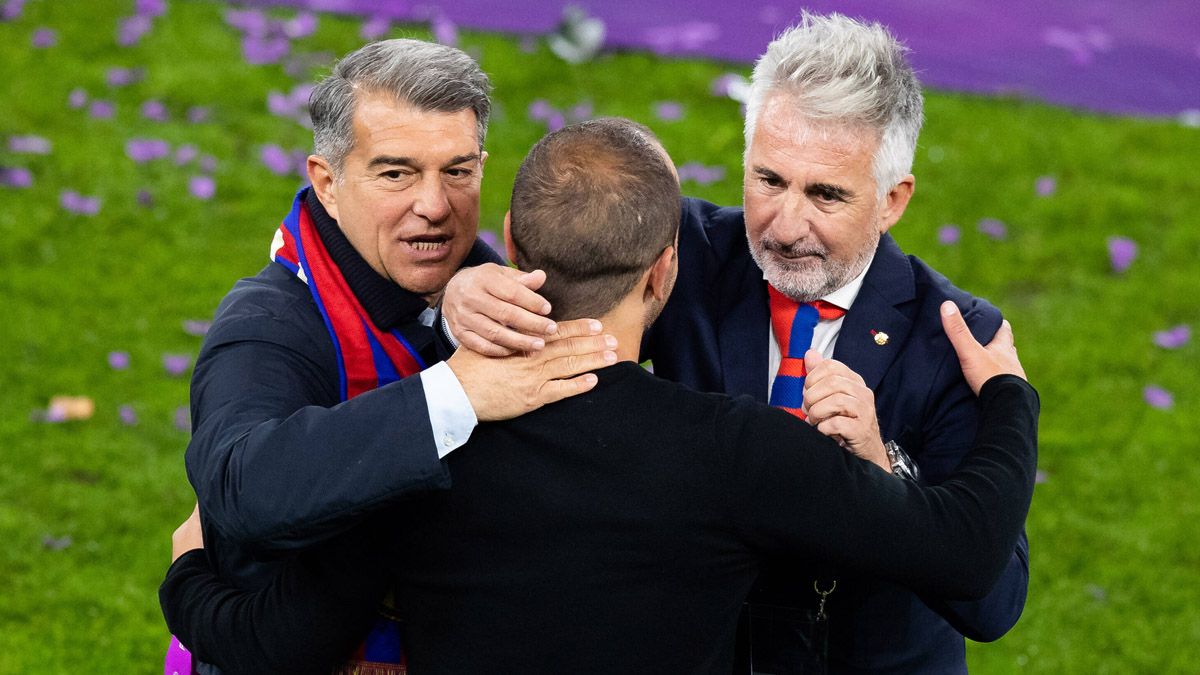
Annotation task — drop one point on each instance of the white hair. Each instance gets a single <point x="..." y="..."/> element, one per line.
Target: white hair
<point x="835" y="69"/>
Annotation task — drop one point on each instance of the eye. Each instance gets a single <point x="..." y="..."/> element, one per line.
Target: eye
<point x="394" y="174"/>
<point x="458" y="172"/>
<point x="771" y="180"/>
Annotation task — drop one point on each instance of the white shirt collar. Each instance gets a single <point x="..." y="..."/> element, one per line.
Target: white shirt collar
<point x="845" y="296"/>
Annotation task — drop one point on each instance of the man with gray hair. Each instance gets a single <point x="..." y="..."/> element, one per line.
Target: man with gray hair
<point x="831" y="129"/>
<point x="317" y="396"/>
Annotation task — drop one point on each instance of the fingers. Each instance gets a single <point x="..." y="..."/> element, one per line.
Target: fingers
<point x="557" y="390"/>
<point x="493" y="339"/>
<point x="533" y="281"/>
<point x="474" y="342"/>
<point x="1004" y="336"/>
<point x="576" y="328"/>
<point x="839" y="404"/>
<point x="956" y="329"/>
<point x="573" y="356"/>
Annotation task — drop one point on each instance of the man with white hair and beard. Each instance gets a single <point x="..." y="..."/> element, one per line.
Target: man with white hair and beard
<point x="831" y="130"/>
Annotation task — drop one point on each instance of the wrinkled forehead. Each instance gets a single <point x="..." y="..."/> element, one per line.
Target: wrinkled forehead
<point x="784" y="124"/>
<point x="384" y="124"/>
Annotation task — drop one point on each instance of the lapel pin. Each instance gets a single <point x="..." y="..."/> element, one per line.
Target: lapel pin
<point x="881" y="338"/>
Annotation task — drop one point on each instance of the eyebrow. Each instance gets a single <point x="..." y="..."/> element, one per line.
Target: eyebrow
<point x="767" y="173"/>
<point x="389" y="160"/>
<point x="832" y="190"/>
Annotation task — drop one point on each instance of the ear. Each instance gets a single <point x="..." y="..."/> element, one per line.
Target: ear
<point x="895" y="202"/>
<point x="320" y="174"/>
<point x="661" y="275"/>
<point x="483" y="155"/>
<point x="510" y="249"/>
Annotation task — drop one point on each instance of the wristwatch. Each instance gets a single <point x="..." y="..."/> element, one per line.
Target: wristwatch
<point x="902" y="465"/>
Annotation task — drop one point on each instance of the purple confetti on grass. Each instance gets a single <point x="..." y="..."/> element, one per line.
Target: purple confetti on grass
<point x="118" y="360"/>
<point x="581" y="112"/>
<point x="185" y="154"/>
<point x="202" y="187"/>
<point x="490" y="238"/>
<point x="44" y="37"/>
<point x="993" y="228"/>
<point x="1173" y="338"/>
<point x="300" y="26"/>
<point x="1157" y="397"/>
<point x="276" y="159"/>
<point x="121" y="77"/>
<point x="1040" y="477"/>
<point x="668" y="111"/>
<point x="444" y="31"/>
<point x="196" y="327"/>
<point x="555" y="121"/>
<point x="540" y="110"/>
<point x="77" y="98"/>
<point x="701" y="174"/>
<point x="76" y="203"/>
<point x="198" y="114"/>
<point x="131" y="30"/>
<point x="260" y="51"/>
<point x="948" y="235"/>
<point x="248" y="21"/>
<point x="176" y="364"/>
<point x="51" y="543"/>
<point x="1122" y="251"/>
<point x="183" y="420"/>
<point x="29" y="145"/>
<point x="102" y="110"/>
<point x="731" y="85"/>
<point x="16" y="177"/>
<point x="154" y="111"/>
<point x="128" y="415"/>
<point x="143" y="150"/>
<point x="150" y="8"/>
<point x="1045" y="186"/>
<point x="144" y="198"/>
<point x="208" y="164"/>
<point x="375" y="28"/>
<point x="11" y="11"/>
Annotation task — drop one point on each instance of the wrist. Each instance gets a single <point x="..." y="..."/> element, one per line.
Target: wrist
<point x="902" y="466"/>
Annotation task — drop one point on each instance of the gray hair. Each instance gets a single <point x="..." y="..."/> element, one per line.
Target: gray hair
<point x="839" y="70"/>
<point x="428" y="76"/>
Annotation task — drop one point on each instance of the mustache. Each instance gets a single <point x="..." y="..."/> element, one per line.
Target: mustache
<point x="794" y="249"/>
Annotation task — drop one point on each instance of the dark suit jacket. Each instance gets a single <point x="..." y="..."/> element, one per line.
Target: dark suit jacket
<point x="619" y="532"/>
<point x="713" y="336"/>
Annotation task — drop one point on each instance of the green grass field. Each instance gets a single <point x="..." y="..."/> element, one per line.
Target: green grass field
<point x="1115" y="585"/>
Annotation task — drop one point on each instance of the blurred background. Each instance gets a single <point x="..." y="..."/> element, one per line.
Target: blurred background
<point x="149" y="149"/>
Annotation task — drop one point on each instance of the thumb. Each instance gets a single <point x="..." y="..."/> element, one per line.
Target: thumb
<point x="811" y="358"/>
<point x="1004" y="336"/>
<point x="956" y="329"/>
<point x="533" y="280"/>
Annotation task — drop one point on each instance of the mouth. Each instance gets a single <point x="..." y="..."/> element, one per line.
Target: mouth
<point x="427" y="243"/>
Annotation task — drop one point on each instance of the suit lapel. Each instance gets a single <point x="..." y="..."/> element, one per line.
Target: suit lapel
<point x="745" y="319"/>
<point x="888" y="284"/>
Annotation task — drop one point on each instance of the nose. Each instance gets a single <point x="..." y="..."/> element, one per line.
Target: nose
<point x="431" y="201"/>
<point x="792" y="222"/>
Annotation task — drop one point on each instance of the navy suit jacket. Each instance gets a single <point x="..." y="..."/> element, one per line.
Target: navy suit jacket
<point x="713" y="336"/>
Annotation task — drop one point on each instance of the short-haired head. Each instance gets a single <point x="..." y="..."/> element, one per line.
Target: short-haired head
<point x="834" y="69"/>
<point x="426" y="75"/>
<point x="594" y="204"/>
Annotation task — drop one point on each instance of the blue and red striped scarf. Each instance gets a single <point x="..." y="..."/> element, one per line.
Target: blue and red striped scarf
<point x="367" y="358"/>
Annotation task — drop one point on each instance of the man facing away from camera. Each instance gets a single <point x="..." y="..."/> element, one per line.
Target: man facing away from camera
<point x="831" y="129"/>
<point x="621" y="530"/>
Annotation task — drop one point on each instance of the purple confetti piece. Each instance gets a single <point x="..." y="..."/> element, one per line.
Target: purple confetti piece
<point x="183" y="420"/>
<point x="196" y="327"/>
<point x="1040" y="477"/>
<point x="131" y="30"/>
<point x="258" y="51"/>
<point x="581" y="112"/>
<point x="56" y="543"/>
<point x="731" y="85"/>
<point x="1157" y="397"/>
<point x="185" y="154"/>
<point x="121" y="77"/>
<point x="250" y="22"/>
<point x="176" y="364"/>
<point x="11" y="11"/>
<point x="128" y="415"/>
<point x="490" y="238"/>
<point x="77" y="98"/>
<point x="540" y="110"/>
<point x="300" y="163"/>
<point x="144" y="198"/>
<point x="993" y="228"/>
<point x="300" y="26"/>
<point x="701" y="174"/>
<point x="276" y="159"/>
<point x="555" y="121"/>
<point x="528" y="44"/>
<point x="29" y="145"/>
<point x="1045" y="186"/>
<point x="44" y="37"/>
<point x="118" y="360"/>
<point x="208" y="164"/>
<point x="15" y="177"/>
<point x="143" y="150"/>
<point x="197" y="114"/>
<point x="668" y="111"/>
<point x="154" y="111"/>
<point x="76" y="203"/>
<point x="1173" y="338"/>
<point x="1121" y="253"/>
<point x="444" y="31"/>
<point x="948" y="235"/>
<point x="102" y="110"/>
<point x="202" y="187"/>
<point x="375" y="28"/>
<point x="150" y="8"/>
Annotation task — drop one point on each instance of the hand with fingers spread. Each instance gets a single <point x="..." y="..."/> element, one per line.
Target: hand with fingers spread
<point x="501" y="388"/>
<point x="495" y="310"/>
<point x="979" y="363"/>
<point x="841" y="405"/>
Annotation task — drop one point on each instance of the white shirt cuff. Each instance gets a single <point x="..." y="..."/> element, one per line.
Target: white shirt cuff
<point x="450" y="412"/>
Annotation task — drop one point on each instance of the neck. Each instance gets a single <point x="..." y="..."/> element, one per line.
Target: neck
<point x="627" y="323"/>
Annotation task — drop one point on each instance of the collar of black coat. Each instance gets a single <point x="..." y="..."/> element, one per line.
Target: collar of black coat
<point x="388" y="304"/>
